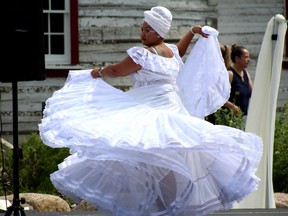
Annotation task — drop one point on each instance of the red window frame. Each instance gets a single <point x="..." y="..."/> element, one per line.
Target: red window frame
<point x="74" y="42"/>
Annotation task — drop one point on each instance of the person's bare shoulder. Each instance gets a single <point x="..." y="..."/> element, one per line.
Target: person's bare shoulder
<point x="230" y="76"/>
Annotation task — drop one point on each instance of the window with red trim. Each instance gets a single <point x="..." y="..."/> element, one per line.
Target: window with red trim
<point x="61" y="32"/>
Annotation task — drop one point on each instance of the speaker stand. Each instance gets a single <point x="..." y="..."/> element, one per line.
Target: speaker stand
<point x="17" y="153"/>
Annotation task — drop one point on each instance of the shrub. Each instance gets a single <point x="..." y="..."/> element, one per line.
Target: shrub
<point x="280" y="157"/>
<point x="38" y="162"/>
<point x="225" y="116"/>
<point x="6" y="169"/>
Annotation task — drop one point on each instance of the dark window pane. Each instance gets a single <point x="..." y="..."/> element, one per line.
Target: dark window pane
<point x="46" y="44"/>
<point x="45" y="4"/>
<point x="57" y="23"/>
<point x="57" y="5"/>
<point x="57" y="44"/>
<point x="45" y="22"/>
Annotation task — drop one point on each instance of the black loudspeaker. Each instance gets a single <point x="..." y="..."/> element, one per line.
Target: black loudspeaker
<point x="23" y="55"/>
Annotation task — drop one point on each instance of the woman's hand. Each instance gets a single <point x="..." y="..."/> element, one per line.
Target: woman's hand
<point x="232" y="107"/>
<point x="96" y="72"/>
<point x="235" y="110"/>
<point x="198" y="30"/>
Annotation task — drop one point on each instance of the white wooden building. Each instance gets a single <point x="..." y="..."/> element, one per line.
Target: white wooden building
<point x="98" y="33"/>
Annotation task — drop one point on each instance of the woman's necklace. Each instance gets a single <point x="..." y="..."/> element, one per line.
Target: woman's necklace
<point x="240" y="73"/>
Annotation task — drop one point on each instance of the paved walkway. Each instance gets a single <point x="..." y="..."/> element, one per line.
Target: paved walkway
<point x="233" y="212"/>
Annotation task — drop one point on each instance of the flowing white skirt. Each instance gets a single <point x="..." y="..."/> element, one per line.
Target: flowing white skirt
<point x="134" y="159"/>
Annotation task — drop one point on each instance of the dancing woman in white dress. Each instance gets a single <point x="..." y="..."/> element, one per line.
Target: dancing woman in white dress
<point x="143" y="152"/>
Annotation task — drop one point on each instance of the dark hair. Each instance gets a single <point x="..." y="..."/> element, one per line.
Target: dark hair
<point x="236" y="51"/>
<point x="226" y="54"/>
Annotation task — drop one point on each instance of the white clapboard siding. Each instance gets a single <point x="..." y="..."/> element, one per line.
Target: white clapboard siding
<point x="31" y="96"/>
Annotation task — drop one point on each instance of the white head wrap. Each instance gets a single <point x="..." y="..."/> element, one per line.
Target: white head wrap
<point x="159" y="18"/>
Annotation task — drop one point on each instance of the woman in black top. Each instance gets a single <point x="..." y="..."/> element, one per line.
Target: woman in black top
<point x="241" y="82"/>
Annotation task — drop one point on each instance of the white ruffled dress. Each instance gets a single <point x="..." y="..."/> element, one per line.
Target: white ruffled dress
<point x="140" y="152"/>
